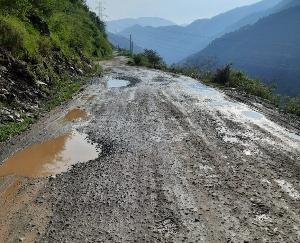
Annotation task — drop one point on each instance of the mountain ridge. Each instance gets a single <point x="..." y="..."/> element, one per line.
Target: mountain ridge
<point x="115" y="26"/>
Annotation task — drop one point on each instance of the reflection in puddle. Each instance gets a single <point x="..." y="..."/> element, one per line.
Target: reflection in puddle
<point x="75" y="114"/>
<point x="294" y="136"/>
<point x="117" y="83"/>
<point x="207" y="91"/>
<point x="253" y="114"/>
<point x="51" y="157"/>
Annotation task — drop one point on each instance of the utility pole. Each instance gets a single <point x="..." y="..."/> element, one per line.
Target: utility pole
<point x="130" y="45"/>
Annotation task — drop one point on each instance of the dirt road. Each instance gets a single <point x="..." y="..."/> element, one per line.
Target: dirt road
<point x="170" y="160"/>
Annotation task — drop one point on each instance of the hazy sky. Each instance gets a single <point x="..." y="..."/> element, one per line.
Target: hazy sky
<point x="180" y="11"/>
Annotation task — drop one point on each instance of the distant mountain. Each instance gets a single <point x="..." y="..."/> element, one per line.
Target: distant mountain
<point x="253" y="18"/>
<point x="116" y="26"/>
<point x="175" y="43"/>
<point x="218" y="24"/>
<point x="122" y="42"/>
<point x="269" y="49"/>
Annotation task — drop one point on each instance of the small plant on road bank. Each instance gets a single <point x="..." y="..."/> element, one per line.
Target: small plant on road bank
<point x="149" y="58"/>
<point x="292" y="105"/>
<point x="222" y="75"/>
<point x="10" y="129"/>
<point x="63" y="90"/>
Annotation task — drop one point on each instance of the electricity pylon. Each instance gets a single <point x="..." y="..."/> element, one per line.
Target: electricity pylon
<point x="100" y="8"/>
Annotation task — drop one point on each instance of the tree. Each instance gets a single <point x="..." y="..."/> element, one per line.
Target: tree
<point x="154" y="59"/>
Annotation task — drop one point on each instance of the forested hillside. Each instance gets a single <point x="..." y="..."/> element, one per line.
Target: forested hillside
<point x="268" y="50"/>
<point x="43" y="43"/>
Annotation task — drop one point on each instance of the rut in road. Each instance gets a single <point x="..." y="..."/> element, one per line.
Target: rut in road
<point x="179" y="162"/>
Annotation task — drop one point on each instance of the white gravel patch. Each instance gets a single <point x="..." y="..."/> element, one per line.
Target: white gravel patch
<point x="288" y="188"/>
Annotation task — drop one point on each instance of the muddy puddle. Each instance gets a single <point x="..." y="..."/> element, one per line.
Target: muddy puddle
<point x="76" y="114"/>
<point x="117" y="83"/>
<point x="51" y="157"/>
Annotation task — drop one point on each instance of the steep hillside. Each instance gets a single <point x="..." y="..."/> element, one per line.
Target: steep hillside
<point x="122" y="42"/>
<point x="194" y="37"/>
<point x="253" y="18"/>
<point x="268" y="49"/>
<point x="44" y="45"/>
<point x="116" y="26"/>
<point x="218" y="24"/>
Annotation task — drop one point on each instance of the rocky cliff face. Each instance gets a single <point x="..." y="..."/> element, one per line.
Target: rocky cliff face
<point x="25" y="86"/>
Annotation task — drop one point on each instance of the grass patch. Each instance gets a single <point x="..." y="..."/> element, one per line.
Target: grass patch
<point x="63" y="90"/>
<point x="67" y="26"/>
<point x="10" y="129"/>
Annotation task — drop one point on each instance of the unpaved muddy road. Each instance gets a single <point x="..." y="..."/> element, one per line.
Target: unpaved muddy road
<point x="163" y="159"/>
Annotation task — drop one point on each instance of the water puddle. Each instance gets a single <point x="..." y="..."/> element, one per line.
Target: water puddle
<point x="51" y="157"/>
<point x="76" y="114"/>
<point x="117" y="83"/>
<point x="294" y="136"/>
<point x="253" y="115"/>
<point x="205" y="90"/>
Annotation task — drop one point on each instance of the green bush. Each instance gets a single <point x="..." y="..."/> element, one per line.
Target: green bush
<point x="292" y="105"/>
<point x="153" y="58"/>
<point x="11" y="39"/>
<point x="255" y="87"/>
<point x="222" y="75"/>
<point x="140" y="60"/>
<point x="72" y="28"/>
<point x="45" y="46"/>
<point x="149" y="58"/>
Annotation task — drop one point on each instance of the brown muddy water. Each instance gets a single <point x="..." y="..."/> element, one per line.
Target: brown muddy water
<point x="76" y="114"/>
<point x="51" y="157"/>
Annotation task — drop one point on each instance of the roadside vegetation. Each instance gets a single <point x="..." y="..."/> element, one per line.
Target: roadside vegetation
<point x="47" y="48"/>
<point x="225" y="77"/>
<point x="12" y="128"/>
<point x="148" y="58"/>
